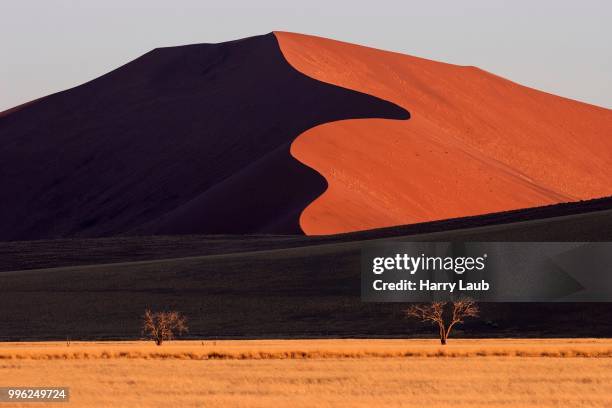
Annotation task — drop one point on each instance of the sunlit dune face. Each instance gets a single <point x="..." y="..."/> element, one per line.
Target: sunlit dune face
<point x="475" y="143"/>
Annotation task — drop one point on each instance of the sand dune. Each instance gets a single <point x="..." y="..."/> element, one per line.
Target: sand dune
<point x="188" y="139"/>
<point x="287" y="133"/>
<point x="476" y="143"/>
<point x="268" y="287"/>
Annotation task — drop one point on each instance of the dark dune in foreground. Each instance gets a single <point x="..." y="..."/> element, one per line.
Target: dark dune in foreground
<point x="270" y="286"/>
<point x="505" y="226"/>
<point x="191" y="139"/>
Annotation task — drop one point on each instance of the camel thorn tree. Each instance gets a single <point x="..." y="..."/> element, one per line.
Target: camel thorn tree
<point x="437" y="314"/>
<point x="162" y="326"/>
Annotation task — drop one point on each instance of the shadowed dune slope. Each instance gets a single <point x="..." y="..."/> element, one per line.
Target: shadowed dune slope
<point x="270" y="287"/>
<point x="476" y="143"/>
<point x="191" y="139"/>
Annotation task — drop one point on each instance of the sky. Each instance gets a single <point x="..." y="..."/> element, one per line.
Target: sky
<point x="562" y="47"/>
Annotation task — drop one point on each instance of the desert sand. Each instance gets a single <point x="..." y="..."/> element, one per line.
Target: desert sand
<point x="475" y="143"/>
<point x="483" y="373"/>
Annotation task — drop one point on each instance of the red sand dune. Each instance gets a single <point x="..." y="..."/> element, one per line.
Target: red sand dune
<point x="286" y="133"/>
<point x="476" y="143"/>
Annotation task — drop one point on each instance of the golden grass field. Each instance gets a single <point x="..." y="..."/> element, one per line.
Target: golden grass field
<point x="307" y="373"/>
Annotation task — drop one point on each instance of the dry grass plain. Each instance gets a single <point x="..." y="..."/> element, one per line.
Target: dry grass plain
<point x="306" y="373"/>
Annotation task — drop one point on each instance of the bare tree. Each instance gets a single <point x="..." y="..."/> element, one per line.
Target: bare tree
<point x="161" y="326"/>
<point x="435" y="313"/>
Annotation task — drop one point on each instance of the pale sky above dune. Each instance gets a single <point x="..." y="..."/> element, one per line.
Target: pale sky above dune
<point x="563" y="47"/>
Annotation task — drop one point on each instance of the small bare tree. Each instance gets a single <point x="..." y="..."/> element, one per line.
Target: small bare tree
<point x="161" y="326"/>
<point x="435" y="313"/>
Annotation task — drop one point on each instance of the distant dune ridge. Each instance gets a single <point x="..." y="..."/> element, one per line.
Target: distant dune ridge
<point x="288" y="133"/>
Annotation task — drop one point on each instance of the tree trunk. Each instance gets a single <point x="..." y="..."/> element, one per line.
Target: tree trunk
<point x="449" y="330"/>
<point x="442" y="334"/>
